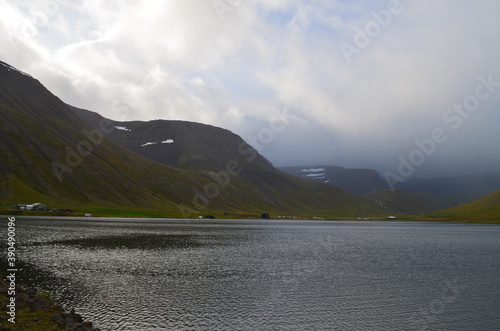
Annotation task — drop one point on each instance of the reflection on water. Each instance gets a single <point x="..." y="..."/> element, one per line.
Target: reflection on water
<point x="255" y="275"/>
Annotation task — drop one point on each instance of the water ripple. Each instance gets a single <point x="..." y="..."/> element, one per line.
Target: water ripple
<point x="257" y="276"/>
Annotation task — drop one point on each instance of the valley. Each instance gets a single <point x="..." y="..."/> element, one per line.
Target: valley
<point x="74" y="159"/>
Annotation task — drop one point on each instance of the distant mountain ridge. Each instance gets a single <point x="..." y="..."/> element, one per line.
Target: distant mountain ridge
<point x="357" y="181"/>
<point x="455" y="190"/>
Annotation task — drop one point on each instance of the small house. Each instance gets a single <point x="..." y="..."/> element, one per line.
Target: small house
<point x="39" y="206"/>
<point x="34" y="206"/>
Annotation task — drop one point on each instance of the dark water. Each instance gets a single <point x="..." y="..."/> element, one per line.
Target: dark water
<point x="267" y="275"/>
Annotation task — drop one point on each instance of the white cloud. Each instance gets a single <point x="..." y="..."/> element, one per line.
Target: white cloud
<point x="180" y="60"/>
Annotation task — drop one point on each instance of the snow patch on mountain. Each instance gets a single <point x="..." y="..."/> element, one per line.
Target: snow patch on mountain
<point x="122" y="128"/>
<point x="9" y="67"/>
<point x="313" y="170"/>
<point x="168" y="141"/>
<point x="315" y="175"/>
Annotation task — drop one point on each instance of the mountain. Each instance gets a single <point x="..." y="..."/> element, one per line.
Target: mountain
<point x="181" y="144"/>
<point x="452" y="191"/>
<point x="40" y="140"/>
<point x="357" y="181"/>
<point x="369" y="183"/>
<point x="54" y="153"/>
<point x="485" y="210"/>
<point x="410" y="203"/>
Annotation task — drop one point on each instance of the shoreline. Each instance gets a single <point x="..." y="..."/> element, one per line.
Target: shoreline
<point x="402" y="219"/>
<point x="38" y="311"/>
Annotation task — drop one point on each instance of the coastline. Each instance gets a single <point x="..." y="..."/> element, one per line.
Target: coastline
<point x="402" y="219"/>
<point x="37" y="311"/>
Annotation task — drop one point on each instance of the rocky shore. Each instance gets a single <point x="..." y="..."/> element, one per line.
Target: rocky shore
<point x="37" y="311"/>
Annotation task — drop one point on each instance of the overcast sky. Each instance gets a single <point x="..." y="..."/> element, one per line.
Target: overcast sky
<point x="349" y="83"/>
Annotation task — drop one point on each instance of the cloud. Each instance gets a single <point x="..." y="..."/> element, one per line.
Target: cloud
<point x="185" y="60"/>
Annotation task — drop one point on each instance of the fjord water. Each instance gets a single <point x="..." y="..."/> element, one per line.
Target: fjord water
<point x="131" y="274"/>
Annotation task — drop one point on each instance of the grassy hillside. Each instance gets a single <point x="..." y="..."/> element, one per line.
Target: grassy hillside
<point x="402" y="202"/>
<point x="484" y="210"/>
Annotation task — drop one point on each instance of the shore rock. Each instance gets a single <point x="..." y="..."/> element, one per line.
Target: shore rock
<point x="27" y="300"/>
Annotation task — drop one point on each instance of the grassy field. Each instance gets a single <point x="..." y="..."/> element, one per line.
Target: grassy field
<point x="484" y="210"/>
<point x="455" y="215"/>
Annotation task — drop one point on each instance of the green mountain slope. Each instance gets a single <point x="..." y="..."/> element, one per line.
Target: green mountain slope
<point x="400" y="202"/>
<point x="484" y="210"/>
<point x="50" y="154"/>
<point x="40" y="140"/>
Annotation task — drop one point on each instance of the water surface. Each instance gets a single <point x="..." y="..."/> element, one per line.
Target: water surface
<point x="130" y="274"/>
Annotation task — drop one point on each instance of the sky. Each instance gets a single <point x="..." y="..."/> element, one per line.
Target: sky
<point x="409" y="87"/>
